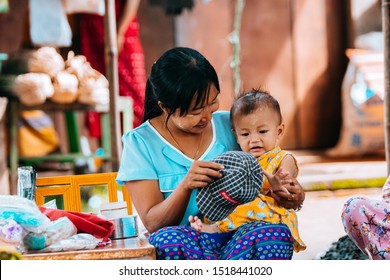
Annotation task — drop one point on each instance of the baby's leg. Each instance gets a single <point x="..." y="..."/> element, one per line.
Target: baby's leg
<point x="198" y="225"/>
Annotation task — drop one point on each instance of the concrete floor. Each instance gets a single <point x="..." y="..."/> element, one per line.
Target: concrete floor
<point x="319" y="219"/>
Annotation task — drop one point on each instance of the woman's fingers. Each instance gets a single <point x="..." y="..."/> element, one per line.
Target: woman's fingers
<point x="295" y="198"/>
<point x="203" y="173"/>
<point x="284" y="195"/>
<point x="208" y="168"/>
<point x="292" y="186"/>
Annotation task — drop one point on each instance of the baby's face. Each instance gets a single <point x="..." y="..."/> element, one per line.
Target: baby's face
<point x="258" y="132"/>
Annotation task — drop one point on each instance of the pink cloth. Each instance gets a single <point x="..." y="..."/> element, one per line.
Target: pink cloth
<point x="367" y="223"/>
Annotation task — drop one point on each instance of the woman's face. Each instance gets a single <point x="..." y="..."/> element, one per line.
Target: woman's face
<point x="197" y="119"/>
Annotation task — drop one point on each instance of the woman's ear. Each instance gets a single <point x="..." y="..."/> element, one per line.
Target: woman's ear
<point x="162" y="107"/>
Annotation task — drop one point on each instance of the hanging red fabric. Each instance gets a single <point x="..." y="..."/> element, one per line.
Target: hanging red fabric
<point x="131" y="62"/>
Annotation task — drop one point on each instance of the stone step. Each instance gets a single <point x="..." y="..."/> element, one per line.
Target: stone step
<point x="318" y="172"/>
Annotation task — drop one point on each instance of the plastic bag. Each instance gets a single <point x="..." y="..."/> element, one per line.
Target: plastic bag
<point x="11" y="232"/>
<point x="84" y="6"/>
<point x="33" y="88"/>
<point x="362" y="129"/>
<point x="65" y="88"/>
<point x="11" y="239"/>
<point x="93" y="89"/>
<point x="46" y="60"/>
<point x="78" y="65"/>
<point x="24" y="212"/>
<point x="57" y="230"/>
<point x="49" y="25"/>
<point x="52" y="204"/>
<point x="27" y="182"/>
<point x="81" y="241"/>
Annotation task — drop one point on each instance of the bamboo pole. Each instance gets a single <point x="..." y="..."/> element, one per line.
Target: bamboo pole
<point x="235" y="40"/>
<point x="111" y="59"/>
<point x="386" y="34"/>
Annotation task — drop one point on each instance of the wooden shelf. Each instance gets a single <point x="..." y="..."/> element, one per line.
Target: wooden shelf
<point x="56" y="157"/>
<point x="51" y="106"/>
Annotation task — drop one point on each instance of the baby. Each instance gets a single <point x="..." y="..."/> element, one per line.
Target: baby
<point x="257" y="123"/>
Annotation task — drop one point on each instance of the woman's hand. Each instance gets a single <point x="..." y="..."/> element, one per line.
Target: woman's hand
<point x="201" y="174"/>
<point x="128" y="14"/>
<point x="294" y="199"/>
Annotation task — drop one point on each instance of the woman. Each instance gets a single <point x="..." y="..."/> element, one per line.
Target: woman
<point x="367" y="223"/>
<point x="168" y="157"/>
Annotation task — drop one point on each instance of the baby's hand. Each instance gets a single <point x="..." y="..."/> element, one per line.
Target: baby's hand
<point x="276" y="181"/>
<point x="196" y="223"/>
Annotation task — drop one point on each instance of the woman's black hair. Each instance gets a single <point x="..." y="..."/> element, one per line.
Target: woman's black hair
<point x="175" y="79"/>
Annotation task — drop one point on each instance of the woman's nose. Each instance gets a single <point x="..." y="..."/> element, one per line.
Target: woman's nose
<point x="207" y="114"/>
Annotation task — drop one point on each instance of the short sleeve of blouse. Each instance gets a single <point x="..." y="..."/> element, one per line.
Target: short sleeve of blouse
<point x="136" y="162"/>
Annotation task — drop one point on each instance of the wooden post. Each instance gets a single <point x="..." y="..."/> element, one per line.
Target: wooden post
<point x="386" y="32"/>
<point x="111" y="59"/>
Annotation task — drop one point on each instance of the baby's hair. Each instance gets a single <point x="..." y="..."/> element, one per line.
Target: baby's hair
<point x="248" y="102"/>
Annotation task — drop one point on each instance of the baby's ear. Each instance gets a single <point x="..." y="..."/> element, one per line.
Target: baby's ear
<point x="281" y="130"/>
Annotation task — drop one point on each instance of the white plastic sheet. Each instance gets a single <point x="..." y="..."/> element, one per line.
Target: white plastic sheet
<point x="49" y="25"/>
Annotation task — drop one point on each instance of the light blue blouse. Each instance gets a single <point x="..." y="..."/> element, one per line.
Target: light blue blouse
<point x="148" y="156"/>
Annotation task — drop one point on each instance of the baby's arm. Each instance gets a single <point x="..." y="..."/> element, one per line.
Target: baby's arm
<point x="288" y="169"/>
<point x="289" y="165"/>
<point x="198" y="225"/>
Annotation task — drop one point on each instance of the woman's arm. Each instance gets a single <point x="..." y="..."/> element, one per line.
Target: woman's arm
<point x="127" y="16"/>
<point x="157" y="212"/>
<point x="296" y="197"/>
<point x="154" y="211"/>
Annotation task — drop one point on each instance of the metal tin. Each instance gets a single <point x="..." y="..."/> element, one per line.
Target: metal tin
<point x="125" y="227"/>
<point x="114" y="210"/>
